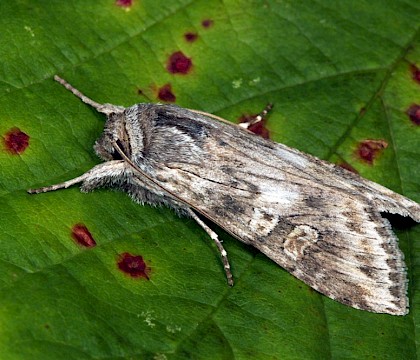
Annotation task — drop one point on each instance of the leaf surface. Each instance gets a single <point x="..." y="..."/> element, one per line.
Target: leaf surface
<point x="338" y="73"/>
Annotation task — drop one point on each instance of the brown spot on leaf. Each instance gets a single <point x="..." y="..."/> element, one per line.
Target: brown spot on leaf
<point x="368" y="150"/>
<point x="190" y="36"/>
<point x="260" y="129"/>
<point x="415" y="71"/>
<point x="15" y="141"/>
<point x="124" y="3"/>
<point x="414" y="114"/>
<point x="257" y="128"/>
<point x="178" y="63"/>
<point x="207" y="23"/>
<point x="348" y="167"/>
<point x="82" y="236"/>
<point x="165" y="93"/>
<point x="133" y="265"/>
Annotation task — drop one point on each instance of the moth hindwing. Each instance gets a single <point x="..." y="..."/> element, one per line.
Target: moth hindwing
<point x="318" y="221"/>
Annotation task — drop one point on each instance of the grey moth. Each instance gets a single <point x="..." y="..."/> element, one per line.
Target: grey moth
<point x="320" y="222"/>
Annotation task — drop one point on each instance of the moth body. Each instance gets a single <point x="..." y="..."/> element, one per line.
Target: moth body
<point x="318" y="221"/>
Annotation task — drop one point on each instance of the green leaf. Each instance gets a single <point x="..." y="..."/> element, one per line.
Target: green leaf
<point x="338" y="73"/>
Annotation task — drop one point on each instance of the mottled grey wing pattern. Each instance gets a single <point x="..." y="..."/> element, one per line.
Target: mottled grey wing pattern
<point x="316" y="220"/>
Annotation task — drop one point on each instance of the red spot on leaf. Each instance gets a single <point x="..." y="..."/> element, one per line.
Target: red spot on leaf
<point x="414" y="113"/>
<point x="368" y="150"/>
<point x="362" y="111"/>
<point x="416" y="72"/>
<point x="207" y="23"/>
<point x="260" y="129"/>
<point x="178" y="63"/>
<point x="190" y="36"/>
<point x="348" y="167"/>
<point x="165" y="93"/>
<point x="133" y="265"/>
<point x="124" y="3"/>
<point x="15" y="141"/>
<point x="257" y="128"/>
<point x="82" y="236"/>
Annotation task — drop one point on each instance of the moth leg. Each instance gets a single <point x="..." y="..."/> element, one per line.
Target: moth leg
<point x="219" y="245"/>
<point x="102" y="108"/>
<point x="99" y="171"/>
<point x="256" y="119"/>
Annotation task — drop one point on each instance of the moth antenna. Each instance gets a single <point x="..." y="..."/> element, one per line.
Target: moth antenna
<point x="102" y="108"/>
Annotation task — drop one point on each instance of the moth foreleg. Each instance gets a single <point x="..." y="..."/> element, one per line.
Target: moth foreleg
<point x="219" y="245"/>
<point x="107" y="169"/>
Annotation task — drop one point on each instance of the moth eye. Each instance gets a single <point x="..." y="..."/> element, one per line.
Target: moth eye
<point x="124" y="145"/>
<point x="116" y="155"/>
<point x="120" y="144"/>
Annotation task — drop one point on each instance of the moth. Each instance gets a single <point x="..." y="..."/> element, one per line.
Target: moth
<point x="320" y="222"/>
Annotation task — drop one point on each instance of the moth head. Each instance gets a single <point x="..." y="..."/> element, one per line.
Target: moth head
<point x="129" y="130"/>
<point x="115" y="133"/>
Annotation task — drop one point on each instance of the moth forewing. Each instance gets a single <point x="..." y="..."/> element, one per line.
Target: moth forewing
<point x="318" y="221"/>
